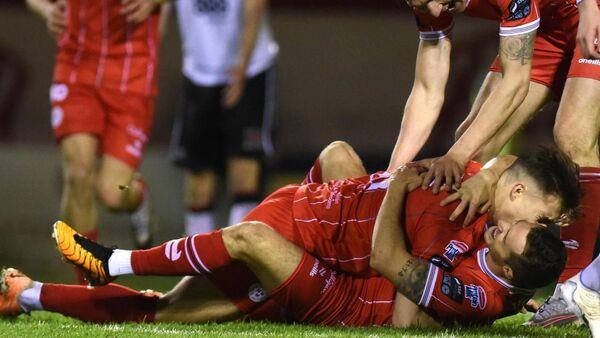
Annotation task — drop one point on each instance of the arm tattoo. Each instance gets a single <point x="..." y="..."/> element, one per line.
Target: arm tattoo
<point x="412" y="278"/>
<point x="518" y="47"/>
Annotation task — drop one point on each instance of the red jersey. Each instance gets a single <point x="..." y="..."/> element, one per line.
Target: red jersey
<point x="515" y="17"/>
<point x="335" y="222"/>
<point x="99" y="48"/>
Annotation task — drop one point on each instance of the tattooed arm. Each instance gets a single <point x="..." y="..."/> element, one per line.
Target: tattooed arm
<point x="389" y="253"/>
<point x="515" y="54"/>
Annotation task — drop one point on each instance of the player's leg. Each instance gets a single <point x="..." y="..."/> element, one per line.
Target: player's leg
<point x="192" y="300"/>
<point x="120" y="188"/>
<point x="339" y="161"/>
<point x="197" y="147"/>
<point x="77" y="122"/>
<point x="536" y="98"/>
<point x="576" y="132"/>
<point x="248" y="128"/>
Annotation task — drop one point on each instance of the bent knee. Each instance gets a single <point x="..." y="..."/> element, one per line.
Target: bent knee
<point x="110" y="194"/>
<point x="244" y="237"/>
<point x="79" y="174"/>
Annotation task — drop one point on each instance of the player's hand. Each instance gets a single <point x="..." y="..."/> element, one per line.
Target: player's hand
<point x="588" y="31"/>
<point x="405" y="179"/>
<point x="235" y="89"/>
<point x="446" y="169"/>
<point x="56" y="19"/>
<point x="433" y="7"/>
<point x="137" y="11"/>
<point x="474" y="194"/>
<point x="422" y="165"/>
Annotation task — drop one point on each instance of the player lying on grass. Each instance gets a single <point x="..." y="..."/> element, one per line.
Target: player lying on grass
<point x="334" y="221"/>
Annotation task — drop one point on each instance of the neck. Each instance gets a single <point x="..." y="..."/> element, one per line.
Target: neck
<point x="494" y="267"/>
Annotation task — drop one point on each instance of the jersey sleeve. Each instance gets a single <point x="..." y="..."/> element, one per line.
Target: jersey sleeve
<point x="457" y="296"/>
<point x="432" y="28"/>
<point x="518" y="16"/>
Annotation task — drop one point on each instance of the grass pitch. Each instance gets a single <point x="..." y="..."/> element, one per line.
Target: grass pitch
<point x="44" y="324"/>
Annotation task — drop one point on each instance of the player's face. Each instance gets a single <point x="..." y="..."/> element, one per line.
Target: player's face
<point x="507" y="238"/>
<point x="519" y="202"/>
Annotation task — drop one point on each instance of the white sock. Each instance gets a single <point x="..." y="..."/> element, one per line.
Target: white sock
<point x="29" y="299"/>
<point x="199" y="222"/>
<point x="590" y="276"/>
<point x="119" y="263"/>
<point x="239" y="211"/>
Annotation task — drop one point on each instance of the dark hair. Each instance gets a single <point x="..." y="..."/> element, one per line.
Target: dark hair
<point x="542" y="260"/>
<point x="555" y="174"/>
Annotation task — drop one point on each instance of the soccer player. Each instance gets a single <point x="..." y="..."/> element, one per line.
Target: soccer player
<point x="229" y="87"/>
<point x="334" y="222"/>
<point x="102" y="100"/>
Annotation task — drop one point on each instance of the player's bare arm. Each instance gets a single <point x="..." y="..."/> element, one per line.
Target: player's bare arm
<point x="389" y="253"/>
<point x="515" y="53"/>
<point x="476" y="192"/>
<point x="51" y="11"/>
<point x="425" y="102"/>
<point x="253" y="12"/>
<point x="588" y="31"/>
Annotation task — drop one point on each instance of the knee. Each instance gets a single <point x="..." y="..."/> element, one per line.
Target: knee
<point x="244" y="237"/>
<point x="79" y="175"/>
<point x="110" y="194"/>
<point x="337" y="152"/>
<point x="198" y="196"/>
<point x="578" y="147"/>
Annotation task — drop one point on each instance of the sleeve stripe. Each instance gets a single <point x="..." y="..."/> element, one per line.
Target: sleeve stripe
<point x="436" y="35"/>
<point x="429" y="285"/>
<point x="530" y="27"/>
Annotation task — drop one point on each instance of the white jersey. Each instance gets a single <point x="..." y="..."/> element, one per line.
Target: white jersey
<point x="211" y="32"/>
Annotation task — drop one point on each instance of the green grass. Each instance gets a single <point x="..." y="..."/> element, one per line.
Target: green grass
<point x="53" y="325"/>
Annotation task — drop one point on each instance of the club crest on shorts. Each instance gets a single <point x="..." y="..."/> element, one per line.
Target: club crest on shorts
<point x="56" y="117"/>
<point x="58" y="92"/>
<point x="455" y="248"/>
<point x="476" y="295"/>
<point x="257" y="293"/>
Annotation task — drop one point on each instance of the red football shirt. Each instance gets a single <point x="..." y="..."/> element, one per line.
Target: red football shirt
<point x="335" y="222"/>
<point x="515" y="17"/>
<point x="99" y="48"/>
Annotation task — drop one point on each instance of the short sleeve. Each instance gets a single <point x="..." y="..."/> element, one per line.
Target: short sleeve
<point x="455" y="296"/>
<point x="432" y="28"/>
<point x="518" y="16"/>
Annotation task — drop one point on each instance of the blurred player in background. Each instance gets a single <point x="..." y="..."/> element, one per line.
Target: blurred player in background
<point x="225" y="124"/>
<point x="102" y="105"/>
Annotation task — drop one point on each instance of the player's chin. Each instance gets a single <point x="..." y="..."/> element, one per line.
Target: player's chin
<point x="488" y="236"/>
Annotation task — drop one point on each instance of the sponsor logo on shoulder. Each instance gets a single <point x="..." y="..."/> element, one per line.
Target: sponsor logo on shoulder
<point x="257" y="293"/>
<point x="453" y="288"/>
<point x="519" y="9"/>
<point x="476" y="295"/>
<point x="440" y="263"/>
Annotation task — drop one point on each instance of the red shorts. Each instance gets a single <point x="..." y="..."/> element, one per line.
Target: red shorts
<point x="316" y="294"/>
<point x="556" y="55"/>
<point x="122" y="122"/>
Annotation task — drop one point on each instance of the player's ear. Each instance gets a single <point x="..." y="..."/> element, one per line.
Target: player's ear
<point x="507" y="271"/>
<point x="517" y="191"/>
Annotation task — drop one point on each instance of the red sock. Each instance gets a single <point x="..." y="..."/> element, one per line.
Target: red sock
<point x="101" y="304"/>
<point x="79" y="276"/>
<point x="192" y="255"/>
<point x="580" y="237"/>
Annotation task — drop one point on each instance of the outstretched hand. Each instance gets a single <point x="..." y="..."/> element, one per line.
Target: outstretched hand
<point x="474" y="194"/>
<point x="405" y="179"/>
<point x="588" y="31"/>
<point x="137" y="11"/>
